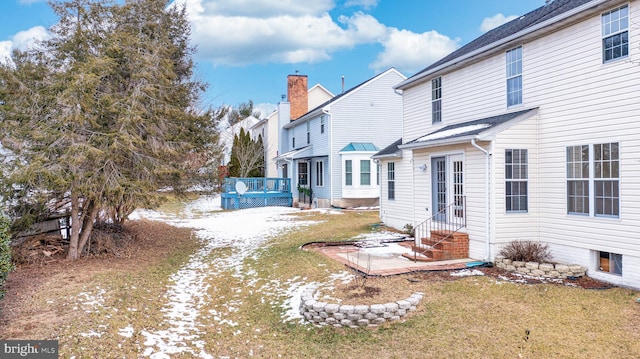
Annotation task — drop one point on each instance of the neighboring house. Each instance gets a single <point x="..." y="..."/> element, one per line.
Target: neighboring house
<point x="530" y="132"/>
<point x="327" y="150"/>
<point x="269" y="130"/>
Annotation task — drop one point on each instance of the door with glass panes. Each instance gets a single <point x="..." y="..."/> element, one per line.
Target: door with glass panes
<point x="447" y="188"/>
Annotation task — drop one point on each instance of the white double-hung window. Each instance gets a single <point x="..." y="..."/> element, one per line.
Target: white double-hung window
<point x="514" y="76"/>
<point x="593" y="180"/>
<point x="615" y="33"/>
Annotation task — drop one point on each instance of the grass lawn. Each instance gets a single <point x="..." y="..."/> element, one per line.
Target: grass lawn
<point x="98" y="307"/>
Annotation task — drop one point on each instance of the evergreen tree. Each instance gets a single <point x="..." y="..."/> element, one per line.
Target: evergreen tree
<point x="103" y="114"/>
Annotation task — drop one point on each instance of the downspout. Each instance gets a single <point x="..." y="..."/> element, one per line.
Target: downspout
<point x="487" y="213"/>
<point x="379" y="175"/>
<point x="329" y="155"/>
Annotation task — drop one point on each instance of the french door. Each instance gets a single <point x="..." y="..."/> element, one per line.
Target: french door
<point x="447" y="188"/>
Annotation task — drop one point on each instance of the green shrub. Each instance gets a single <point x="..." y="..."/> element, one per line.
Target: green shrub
<point x="526" y="251"/>
<point x="409" y="230"/>
<point x="5" y="252"/>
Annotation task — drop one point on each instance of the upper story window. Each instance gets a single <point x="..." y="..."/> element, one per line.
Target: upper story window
<point x="514" y="76"/>
<point x="436" y="100"/>
<point x="308" y="132"/>
<point x="615" y="33"/>
<point x="322" y="124"/>
<point x="293" y="142"/>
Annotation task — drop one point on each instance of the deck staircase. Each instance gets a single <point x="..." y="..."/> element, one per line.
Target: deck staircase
<point x="439" y="238"/>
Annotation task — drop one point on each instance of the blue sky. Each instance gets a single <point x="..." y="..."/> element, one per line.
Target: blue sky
<point x="246" y="48"/>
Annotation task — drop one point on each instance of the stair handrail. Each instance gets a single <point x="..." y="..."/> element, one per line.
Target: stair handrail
<point x="451" y="225"/>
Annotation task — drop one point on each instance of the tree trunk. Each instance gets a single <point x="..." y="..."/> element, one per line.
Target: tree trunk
<point x="75" y="227"/>
<point x="87" y="225"/>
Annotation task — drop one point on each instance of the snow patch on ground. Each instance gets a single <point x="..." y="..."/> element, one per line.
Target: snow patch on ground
<point x="243" y="232"/>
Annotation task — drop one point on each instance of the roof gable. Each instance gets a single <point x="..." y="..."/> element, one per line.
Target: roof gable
<point x="527" y="21"/>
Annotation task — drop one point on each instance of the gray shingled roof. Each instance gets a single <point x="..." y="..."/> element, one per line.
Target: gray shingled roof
<point x="525" y="21"/>
<point x="390" y="150"/>
<point x="460" y="131"/>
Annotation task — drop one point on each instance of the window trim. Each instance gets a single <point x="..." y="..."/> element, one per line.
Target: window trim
<point x="589" y="171"/>
<point x="362" y="173"/>
<point x="319" y="174"/>
<point x="608" y="262"/>
<point x="303" y="175"/>
<point x="606" y="33"/>
<point x="308" y="132"/>
<point x="391" y="181"/>
<point x="436" y="100"/>
<point x="522" y="167"/>
<point x="348" y="172"/>
<point x="514" y="75"/>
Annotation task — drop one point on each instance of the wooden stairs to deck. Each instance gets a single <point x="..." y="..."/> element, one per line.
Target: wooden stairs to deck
<point x="441" y="246"/>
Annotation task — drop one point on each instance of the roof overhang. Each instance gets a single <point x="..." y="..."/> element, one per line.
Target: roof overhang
<point x="292" y="155"/>
<point x="484" y="129"/>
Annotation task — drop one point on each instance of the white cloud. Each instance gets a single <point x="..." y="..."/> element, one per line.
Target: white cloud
<point x="28" y="38"/>
<point x="489" y="23"/>
<point x="5" y="50"/>
<point x="408" y="51"/>
<point x="244" y="32"/>
<point x="23" y="40"/>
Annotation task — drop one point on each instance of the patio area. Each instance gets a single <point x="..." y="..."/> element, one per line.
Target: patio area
<point x="383" y="259"/>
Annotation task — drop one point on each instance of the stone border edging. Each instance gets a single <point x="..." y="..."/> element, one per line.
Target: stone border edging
<point x="546" y="270"/>
<point x="354" y="316"/>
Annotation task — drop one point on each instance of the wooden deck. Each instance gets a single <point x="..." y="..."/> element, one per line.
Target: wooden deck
<point x="242" y="193"/>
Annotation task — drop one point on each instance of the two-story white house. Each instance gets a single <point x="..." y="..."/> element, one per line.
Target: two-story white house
<point x="530" y="132"/>
<point x="327" y="150"/>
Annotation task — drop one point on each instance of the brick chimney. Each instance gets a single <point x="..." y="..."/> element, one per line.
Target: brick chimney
<point x="298" y="95"/>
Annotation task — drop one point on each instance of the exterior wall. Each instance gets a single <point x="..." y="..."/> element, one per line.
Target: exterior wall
<point x="317" y="96"/>
<point x="397" y="212"/>
<point x="371" y="113"/>
<point x="581" y="101"/>
<point x="509" y="226"/>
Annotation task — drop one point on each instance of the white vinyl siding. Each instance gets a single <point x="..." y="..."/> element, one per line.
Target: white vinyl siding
<point x="373" y="114"/>
<point x="580" y="101"/>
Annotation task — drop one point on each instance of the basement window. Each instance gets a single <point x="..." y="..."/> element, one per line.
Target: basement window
<point x="610" y="262"/>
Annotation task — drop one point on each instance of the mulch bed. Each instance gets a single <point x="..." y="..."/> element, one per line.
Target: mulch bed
<point x="501" y="274"/>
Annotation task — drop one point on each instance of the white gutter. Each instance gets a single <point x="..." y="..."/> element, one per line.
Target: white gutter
<point x="506" y="40"/>
<point x="487" y="213"/>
